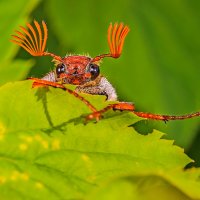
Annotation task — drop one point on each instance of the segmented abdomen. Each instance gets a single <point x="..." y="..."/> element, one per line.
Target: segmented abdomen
<point x="50" y="77"/>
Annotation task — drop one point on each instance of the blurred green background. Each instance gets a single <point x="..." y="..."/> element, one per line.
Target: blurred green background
<point x="159" y="67"/>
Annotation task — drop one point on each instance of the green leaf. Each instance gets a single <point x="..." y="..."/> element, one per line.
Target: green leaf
<point x="48" y="153"/>
<point x="151" y="185"/>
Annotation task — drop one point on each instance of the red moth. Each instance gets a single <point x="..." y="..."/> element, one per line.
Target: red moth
<point x="83" y="71"/>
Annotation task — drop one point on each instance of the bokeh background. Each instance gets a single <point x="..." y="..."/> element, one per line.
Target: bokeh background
<point x="160" y="65"/>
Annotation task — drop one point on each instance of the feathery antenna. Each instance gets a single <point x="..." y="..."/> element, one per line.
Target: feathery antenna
<point x="116" y="37"/>
<point x="33" y="40"/>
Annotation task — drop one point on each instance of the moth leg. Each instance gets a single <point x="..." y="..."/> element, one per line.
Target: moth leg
<point x="122" y="106"/>
<point x="38" y="85"/>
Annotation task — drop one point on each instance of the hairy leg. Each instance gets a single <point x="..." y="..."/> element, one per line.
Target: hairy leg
<point x="166" y="118"/>
<point x="122" y="106"/>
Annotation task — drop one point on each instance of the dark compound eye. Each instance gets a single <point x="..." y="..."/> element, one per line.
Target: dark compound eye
<point x="94" y="70"/>
<point x="60" y="69"/>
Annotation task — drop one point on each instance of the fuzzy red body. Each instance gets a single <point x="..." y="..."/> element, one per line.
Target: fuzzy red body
<point x="76" y="70"/>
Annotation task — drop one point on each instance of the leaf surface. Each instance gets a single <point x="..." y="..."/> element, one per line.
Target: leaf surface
<point x="152" y="185"/>
<point x="47" y="152"/>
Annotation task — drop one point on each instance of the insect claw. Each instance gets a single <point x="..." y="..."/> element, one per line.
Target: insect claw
<point x="95" y="115"/>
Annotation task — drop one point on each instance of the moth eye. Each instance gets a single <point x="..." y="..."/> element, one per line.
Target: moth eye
<point x="94" y="70"/>
<point x="60" y="69"/>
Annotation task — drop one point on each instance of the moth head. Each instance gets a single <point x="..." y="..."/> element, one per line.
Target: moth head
<point x="73" y="69"/>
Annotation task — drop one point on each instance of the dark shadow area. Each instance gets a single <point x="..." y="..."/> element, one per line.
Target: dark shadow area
<point x="190" y="165"/>
<point x="63" y="126"/>
<point x="79" y="120"/>
<point x="143" y="127"/>
<point x="42" y="96"/>
<point x="194" y="150"/>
